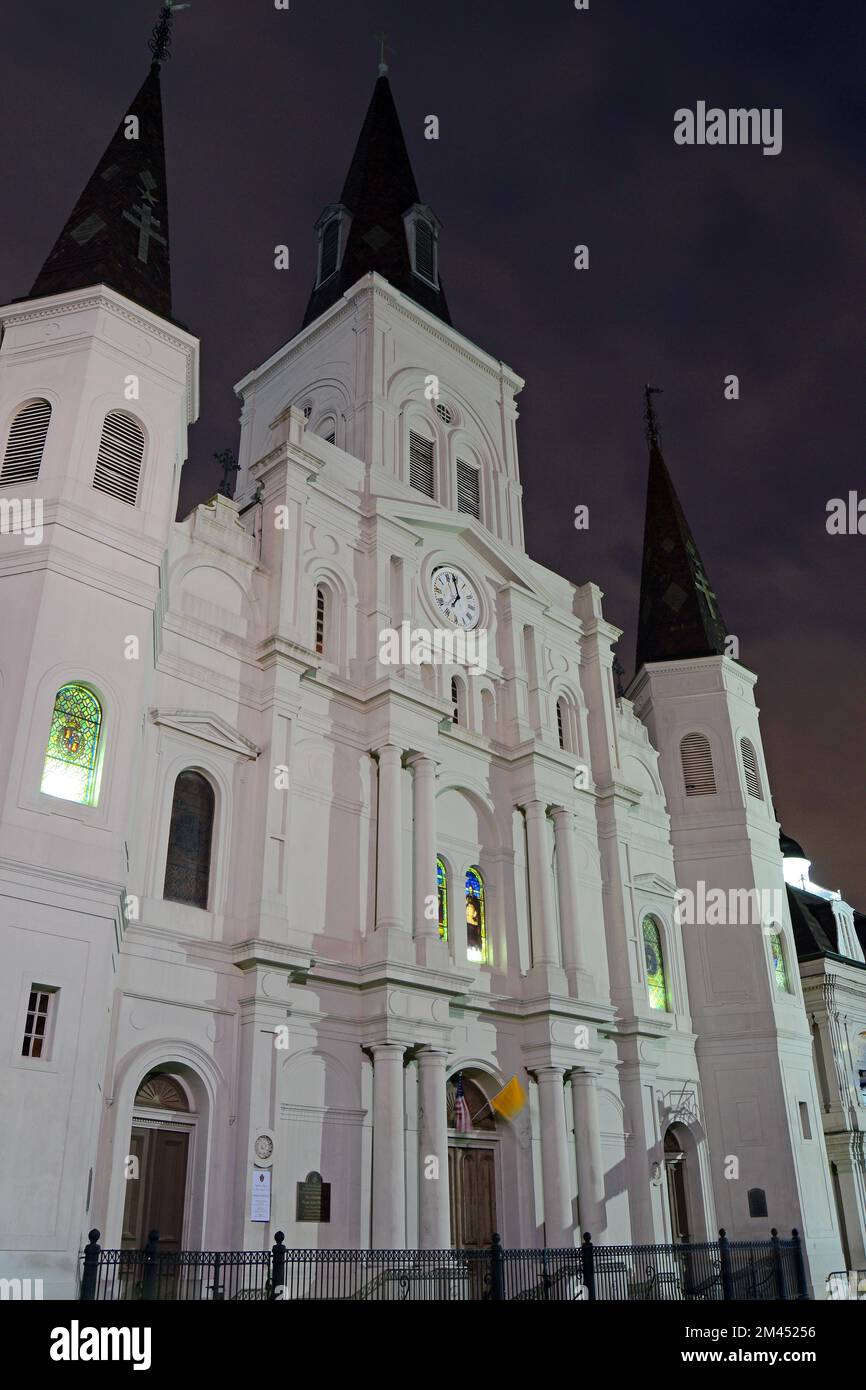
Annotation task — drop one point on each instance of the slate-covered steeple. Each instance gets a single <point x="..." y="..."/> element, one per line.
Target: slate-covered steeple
<point x="679" y="613"/>
<point x="379" y="224"/>
<point x="117" y="233"/>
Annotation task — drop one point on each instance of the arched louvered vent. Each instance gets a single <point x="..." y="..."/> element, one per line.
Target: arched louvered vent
<point x="26" y="442"/>
<point x="468" y="498"/>
<point x="421" y="463"/>
<point x="750" y="767"/>
<point x="698" y="774"/>
<point x="118" y="464"/>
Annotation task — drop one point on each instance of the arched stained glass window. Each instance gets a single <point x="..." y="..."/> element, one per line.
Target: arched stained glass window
<point x="187" y="865"/>
<point x="71" y="769"/>
<point x="780" y="970"/>
<point x="476" y="925"/>
<point x="655" y="968"/>
<point x="442" y="893"/>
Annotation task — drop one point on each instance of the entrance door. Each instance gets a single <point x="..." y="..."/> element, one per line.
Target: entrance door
<point x="675" y="1168"/>
<point x="155" y="1199"/>
<point x="472" y="1184"/>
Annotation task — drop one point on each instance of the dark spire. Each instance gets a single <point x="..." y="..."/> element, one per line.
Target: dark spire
<point x="679" y="613"/>
<point x="117" y="233"/>
<point x="379" y="189"/>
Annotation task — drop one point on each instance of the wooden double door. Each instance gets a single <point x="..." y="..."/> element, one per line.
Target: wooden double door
<point x="155" y="1200"/>
<point x="472" y="1188"/>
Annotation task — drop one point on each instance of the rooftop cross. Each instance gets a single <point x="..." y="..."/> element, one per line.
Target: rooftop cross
<point x="160" y="39"/>
<point x="227" y="462"/>
<point x="383" y="50"/>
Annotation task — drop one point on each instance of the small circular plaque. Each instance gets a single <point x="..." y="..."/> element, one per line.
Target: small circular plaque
<point x="264" y="1147"/>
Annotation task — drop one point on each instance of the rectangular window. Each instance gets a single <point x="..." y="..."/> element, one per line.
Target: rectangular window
<point x="425" y="250"/>
<point x="468" y="492"/>
<point x="421" y="464"/>
<point x="40" y="1018"/>
<point x="804" y="1120"/>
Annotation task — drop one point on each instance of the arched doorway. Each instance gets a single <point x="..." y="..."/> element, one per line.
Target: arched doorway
<point x="678" y="1186"/>
<point x="158" y="1164"/>
<point x="472" y="1164"/>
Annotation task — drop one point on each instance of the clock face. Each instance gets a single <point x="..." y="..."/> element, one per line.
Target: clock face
<point x="264" y="1146"/>
<point x="455" y="597"/>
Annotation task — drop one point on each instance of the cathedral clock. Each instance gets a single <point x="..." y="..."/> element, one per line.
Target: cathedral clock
<point x="455" y="597"/>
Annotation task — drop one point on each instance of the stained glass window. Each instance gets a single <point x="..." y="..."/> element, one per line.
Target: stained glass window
<point x="442" y="892"/>
<point x="187" y="866"/>
<point x="780" y="972"/>
<point x="655" y="970"/>
<point x="71" y="769"/>
<point x="476" y="926"/>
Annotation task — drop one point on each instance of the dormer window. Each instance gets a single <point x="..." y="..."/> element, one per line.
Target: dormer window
<point x="422" y="232"/>
<point x="332" y="226"/>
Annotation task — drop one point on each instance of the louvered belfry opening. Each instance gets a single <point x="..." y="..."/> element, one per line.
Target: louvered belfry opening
<point x="118" y="464"/>
<point x="330" y="249"/>
<point x="750" y="768"/>
<point x="425" y="250"/>
<point x="421" y="463"/>
<point x="697" y="758"/>
<point x="468" y="492"/>
<point x="26" y="444"/>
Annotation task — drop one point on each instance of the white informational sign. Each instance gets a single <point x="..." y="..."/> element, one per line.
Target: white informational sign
<point x="260" y="1204"/>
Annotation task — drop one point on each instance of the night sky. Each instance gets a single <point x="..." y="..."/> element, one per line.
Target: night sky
<point x="556" y="128"/>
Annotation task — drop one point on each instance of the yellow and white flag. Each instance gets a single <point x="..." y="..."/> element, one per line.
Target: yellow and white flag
<point x="510" y="1100"/>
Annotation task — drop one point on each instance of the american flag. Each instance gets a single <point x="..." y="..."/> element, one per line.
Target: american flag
<point x="462" y="1118"/>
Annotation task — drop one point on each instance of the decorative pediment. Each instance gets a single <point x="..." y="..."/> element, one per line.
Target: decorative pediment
<point x="208" y="727"/>
<point x="654" y="883"/>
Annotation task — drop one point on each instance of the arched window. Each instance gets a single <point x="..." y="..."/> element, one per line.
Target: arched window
<point x="25" y="445"/>
<point x="697" y="760"/>
<point x="476" y="925"/>
<point x="321" y="615"/>
<point x="187" y="865"/>
<point x="72" y="758"/>
<point x="777" y="955"/>
<point x="442" y="894"/>
<point x="561" y="722"/>
<point x="655" y="968"/>
<point x="456" y="700"/>
<point x="118" y="463"/>
<point x="750" y="768"/>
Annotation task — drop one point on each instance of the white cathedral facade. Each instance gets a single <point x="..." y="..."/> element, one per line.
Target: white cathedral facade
<point x="264" y="897"/>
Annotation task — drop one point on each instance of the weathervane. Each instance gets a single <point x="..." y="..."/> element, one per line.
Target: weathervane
<point x="653" y="433"/>
<point x="383" y="50"/>
<point x="230" y="466"/>
<point x="160" y="39"/>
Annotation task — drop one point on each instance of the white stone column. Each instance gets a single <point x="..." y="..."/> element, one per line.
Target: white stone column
<point x="389" y="879"/>
<point x="430" y="948"/>
<point x="587" y="1142"/>
<point x="558" y="1228"/>
<point x="566" y="872"/>
<point x="435" y="1210"/>
<point x="540" y="886"/>
<point x="389" y="1166"/>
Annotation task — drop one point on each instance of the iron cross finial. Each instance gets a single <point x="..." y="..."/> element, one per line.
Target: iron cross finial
<point x="230" y="466"/>
<point x="384" y="49"/>
<point x="653" y="433"/>
<point x="160" y="39"/>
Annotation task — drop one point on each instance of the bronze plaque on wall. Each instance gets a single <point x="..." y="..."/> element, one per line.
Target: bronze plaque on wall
<point x="314" y="1199"/>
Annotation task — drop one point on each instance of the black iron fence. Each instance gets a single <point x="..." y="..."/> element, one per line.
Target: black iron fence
<point x="711" y="1270"/>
